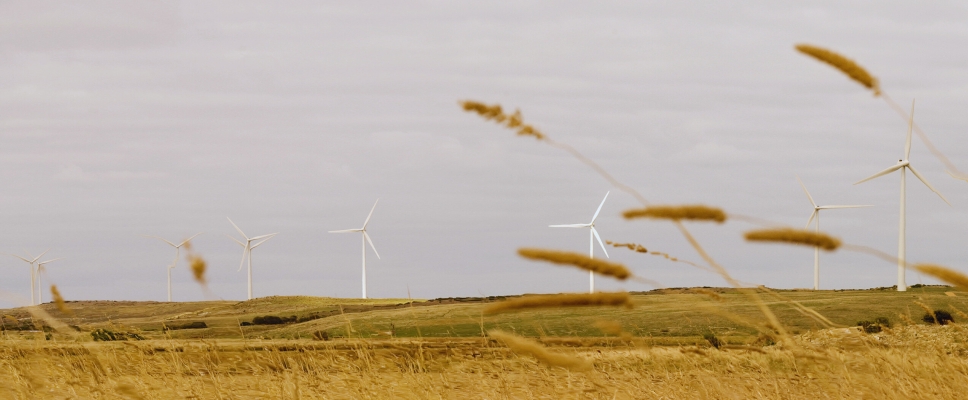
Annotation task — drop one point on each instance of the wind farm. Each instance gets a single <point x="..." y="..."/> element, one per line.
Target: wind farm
<point x="479" y="130"/>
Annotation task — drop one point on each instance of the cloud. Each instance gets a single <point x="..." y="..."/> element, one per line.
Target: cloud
<point x="714" y="153"/>
<point x="74" y="173"/>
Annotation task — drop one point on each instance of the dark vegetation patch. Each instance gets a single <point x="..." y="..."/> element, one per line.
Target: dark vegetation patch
<point x="105" y="335"/>
<point x="940" y="317"/>
<point x="874" y="326"/>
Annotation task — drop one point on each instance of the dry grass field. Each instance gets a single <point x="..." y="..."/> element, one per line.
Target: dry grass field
<point x="436" y="349"/>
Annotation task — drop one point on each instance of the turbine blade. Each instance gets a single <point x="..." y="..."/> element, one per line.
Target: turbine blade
<point x="371" y="214"/>
<point x="236" y="227"/>
<point x="371" y="244"/>
<point x="236" y="241"/>
<point x="14" y="255"/>
<point x="257" y="244"/>
<point x="812" y="216"/>
<point x="882" y="173"/>
<point x="242" y="264"/>
<point x="264" y="236"/>
<point x="188" y="240"/>
<point x="925" y="182"/>
<point x="956" y="176"/>
<point x="807" y="192"/>
<point x="159" y="238"/>
<point x="833" y="207"/>
<point x="907" y="144"/>
<point x="50" y="261"/>
<point x="570" y="226"/>
<point x="600" y="241"/>
<point x="594" y="217"/>
<point x="347" y="230"/>
<point x="41" y="255"/>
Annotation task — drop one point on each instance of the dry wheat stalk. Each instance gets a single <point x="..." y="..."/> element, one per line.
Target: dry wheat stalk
<point x="601" y="267"/>
<point x="526" y="346"/>
<point x="844" y="64"/>
<point x="561" y="300"/>
<point x="694" y="212"/>
<point x="59" y="301"/>
<point x="631" y="246"/>
<point x="794" y="236"/>
<point x="495" y="113"/>
<point x="945" y="274"/>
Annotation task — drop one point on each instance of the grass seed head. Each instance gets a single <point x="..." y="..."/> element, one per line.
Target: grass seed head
<point x="945" y="274"/>
<point x="794" y="236"/>
<point x="496" y="113"/>
<point x="561" y="300"/>
<point x="521" y="345"/>
<point x="601" y="267"/>
<point x="694" y="212"/>
<point x="198" y="268"/>
<point x="844" y="64"/>
<point x="59" y="301"/>
<point x="631" y="246"/>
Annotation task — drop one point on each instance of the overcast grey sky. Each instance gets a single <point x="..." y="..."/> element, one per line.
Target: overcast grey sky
<point x="121" y="119"/>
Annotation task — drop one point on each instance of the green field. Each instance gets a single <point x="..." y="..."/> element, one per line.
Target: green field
<point x="665" y="316"/>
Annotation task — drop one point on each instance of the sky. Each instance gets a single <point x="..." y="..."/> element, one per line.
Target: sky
<point x="120" y="119"/>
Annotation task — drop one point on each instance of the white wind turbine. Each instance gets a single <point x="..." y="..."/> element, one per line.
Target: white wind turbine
<point x="816" y="213"/>
<point x="33" y="273"/>
<point x="177" y="254"/>
<point x="904" y="165"/>
<point x="247" y="248"/>
<point x="366" y="239"/>
<point x="592" y="235"/>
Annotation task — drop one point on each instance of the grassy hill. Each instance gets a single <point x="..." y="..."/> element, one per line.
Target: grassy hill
<point x="665" y="316"/>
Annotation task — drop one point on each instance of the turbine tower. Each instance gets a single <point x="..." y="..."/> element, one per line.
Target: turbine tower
<point x="33" y="273"/>
<point x="816" y="213"/>
<point x="177" y="254"/>
<point x="42" y="271"/>
<point x="904" y="165"/>
<point x="592" y="235"/>
<point x="247" y="248"/>
<point x="365" y="239"/>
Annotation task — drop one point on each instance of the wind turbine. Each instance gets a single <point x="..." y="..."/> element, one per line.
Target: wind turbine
<point x="366" y="239"/>
<point x="816" y="213"/>
<point x="177" y="254"/>
<point x="247" y="248"/>
<point x="904" y="165"/>
<point x="33" y="273"/>
<point x="41" y="270"/>
<point x="592" y="235"/>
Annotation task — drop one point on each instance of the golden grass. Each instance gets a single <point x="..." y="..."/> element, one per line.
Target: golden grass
<point x="794" y="236"/>
<point x="844" y="64"/>
<point x="601" y="267"/>
<point x="945" y="274"/>
<point x="529" y="347"/>
<point x="692" y="212"/>
<point x="561" y="300"/>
